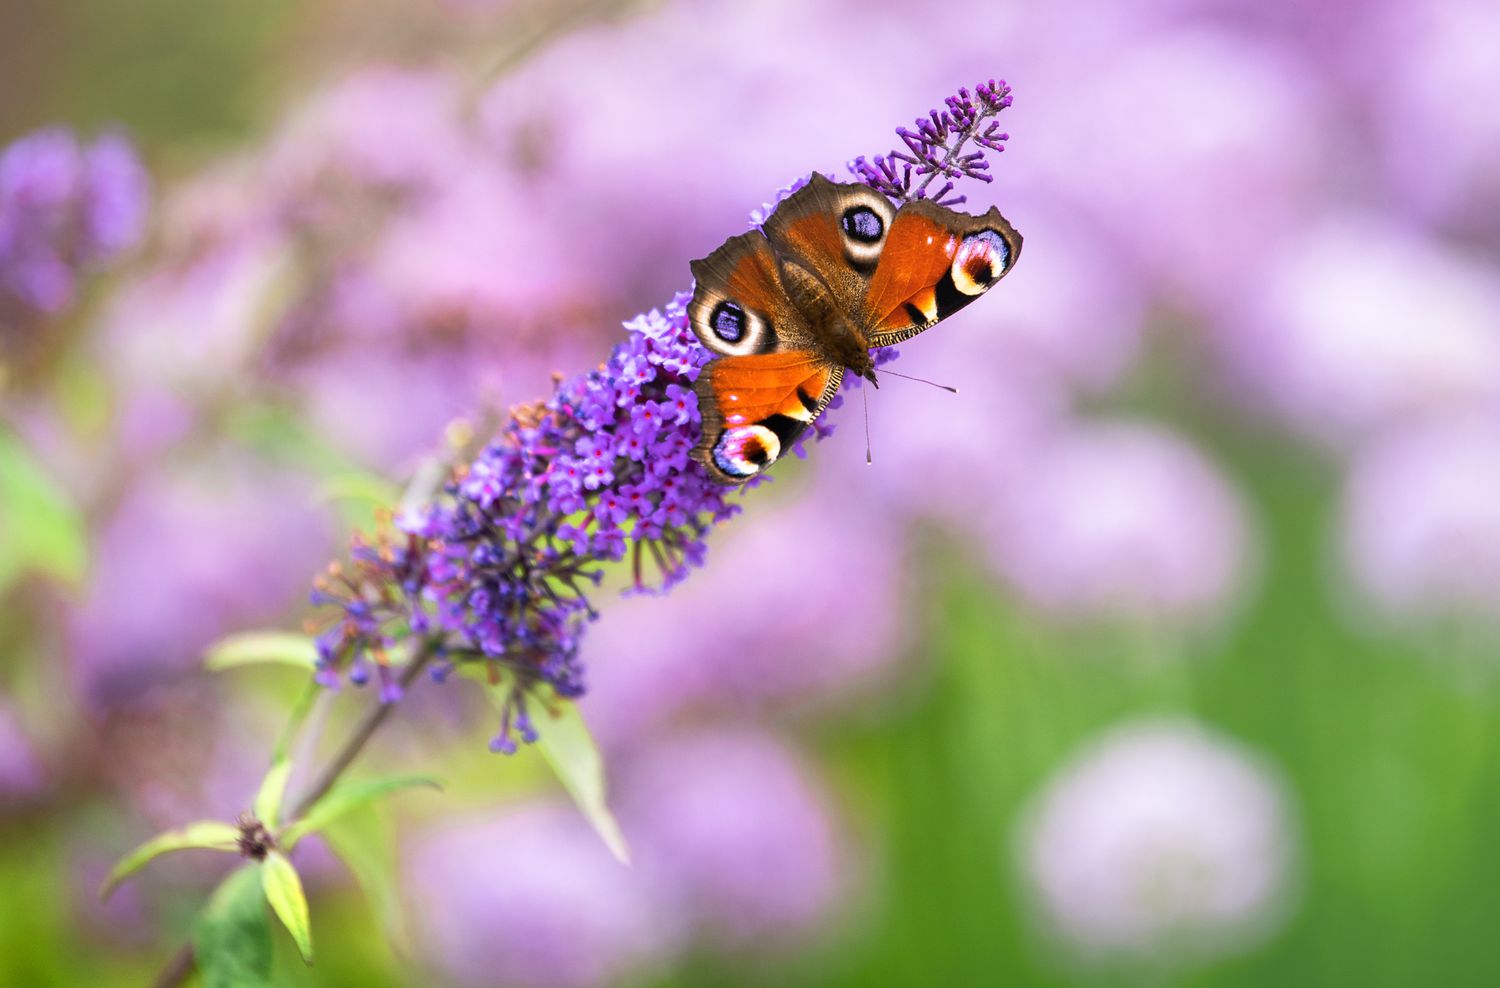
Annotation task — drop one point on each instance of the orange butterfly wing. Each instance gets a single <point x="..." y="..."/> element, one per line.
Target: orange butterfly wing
<point x="935" y="261"/>
<point x="755" y="407"/>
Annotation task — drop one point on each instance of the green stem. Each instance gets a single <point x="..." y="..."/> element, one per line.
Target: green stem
<point x="180" y="967"/>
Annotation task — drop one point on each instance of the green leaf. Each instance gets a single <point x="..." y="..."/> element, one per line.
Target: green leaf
<point x="210" y="835"/>
<point x="232" y="938"/>
<point x="256" y="647"/>
<point x="569" y="748"/>
<point x="350" y="795"/>
<point x="40" y="528"/>
<point x="363" y="839"/>
<point x="267" y="807"/>
<point x="284" y="892"/>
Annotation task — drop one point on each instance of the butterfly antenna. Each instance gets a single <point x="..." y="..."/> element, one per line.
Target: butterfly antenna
<point x="869" y="457"/>
<point x="920" y="380"/>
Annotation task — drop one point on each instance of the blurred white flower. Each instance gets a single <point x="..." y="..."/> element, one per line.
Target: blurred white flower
<point x="1358" y="323"/>
<point x="1421" y="526"/>
<point x="1160" y="841"/>
<point x="1121" y="522"/>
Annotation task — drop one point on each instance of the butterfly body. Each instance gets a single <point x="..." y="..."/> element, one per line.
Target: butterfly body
<point x="837" y="272"/>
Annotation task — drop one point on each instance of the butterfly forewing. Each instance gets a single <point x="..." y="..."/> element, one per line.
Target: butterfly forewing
<point x="936" y="261"/>
<point x="739" y="305"/>
<point x="836" y="232"/>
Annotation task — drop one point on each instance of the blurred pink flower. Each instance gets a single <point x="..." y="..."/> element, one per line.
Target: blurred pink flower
<point x="188" y="555"/>
<point x="1160" y="840"/>
<point x="529" y="897"/>
<point x="773" y="619"/>
<point x="1421" y="523"/>
<point x="1122" y="522"/>
<point x="1357" y="324"/>
<point x="731" y="822"/>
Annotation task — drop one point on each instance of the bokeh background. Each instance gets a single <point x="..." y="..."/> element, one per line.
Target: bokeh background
<point x="1165" y="653"/>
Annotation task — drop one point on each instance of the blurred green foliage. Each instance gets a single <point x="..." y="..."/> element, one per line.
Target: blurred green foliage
<point x="169" y="70"/>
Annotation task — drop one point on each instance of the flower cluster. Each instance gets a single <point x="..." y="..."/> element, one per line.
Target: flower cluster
<point x="494" y="571"/>
<point x="935" y="147"/>
<point x="63" y="208"/>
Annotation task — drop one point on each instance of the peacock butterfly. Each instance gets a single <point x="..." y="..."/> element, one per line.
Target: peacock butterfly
<point x="837" y="272"/>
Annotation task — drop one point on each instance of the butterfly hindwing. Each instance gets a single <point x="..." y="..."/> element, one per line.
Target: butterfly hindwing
<point x="935" y="261"/>
<point x="755" y="407"/>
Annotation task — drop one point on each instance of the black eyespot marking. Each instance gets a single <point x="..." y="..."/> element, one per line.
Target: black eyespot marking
<point x="728" y="322"/>
<point x="862" y="224"/>
<point x="756" y="452"/>
<point x="980" y="272"/>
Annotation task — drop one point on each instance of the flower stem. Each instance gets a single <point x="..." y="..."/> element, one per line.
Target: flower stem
<point x="180" y="967"/>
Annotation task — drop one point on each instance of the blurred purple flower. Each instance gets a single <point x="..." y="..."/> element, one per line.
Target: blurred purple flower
<point x="530" y="898"/>
<point x="731" y="824"/>
<point x="1440" y="150"/>
<point x="1356" y="324"/>
<point x="651" y="658"/>
<point x="187" y="556"/>
<point x="21" y="771"/>
<point x="1122" y="522"/>
<point x="64" y="208"/>
<point x="1421" y="525"/>
<point x="1195" y="150"/>
<point x="1160" y="842"/>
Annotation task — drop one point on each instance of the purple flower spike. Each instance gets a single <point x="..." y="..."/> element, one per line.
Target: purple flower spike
<point x="933" y="148"/>
<point x="64" y="208"/>
<point x="492" y="576"/>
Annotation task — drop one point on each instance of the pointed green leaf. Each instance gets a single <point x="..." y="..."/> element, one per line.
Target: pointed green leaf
<point x="569" y="748"/>
<point x="232" y="938"/>
<point x="261" y="647"/>
<point x="284" y="892"/>
<point x="349" y="795"/>
<point x="363" y="839"/>
<point x="272" y="791"/>
<point x="212" y="835"/>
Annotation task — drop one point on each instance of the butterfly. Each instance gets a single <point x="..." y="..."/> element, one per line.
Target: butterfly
<point x="838" y="271"/>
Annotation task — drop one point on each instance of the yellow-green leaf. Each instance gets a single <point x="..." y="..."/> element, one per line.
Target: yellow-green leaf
<point x="278" y="878"/>
<point x="569" y="748"/>
<point x="363" y="839"/>
<point x="232" y="937"/>
<point x="40" y="528"/>
<point x="268" y="799"/>
<point x="349" y="795"/>
<point x="211" y="835"/>
<point x="260" y="647"/>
